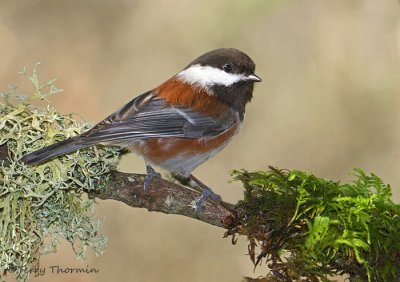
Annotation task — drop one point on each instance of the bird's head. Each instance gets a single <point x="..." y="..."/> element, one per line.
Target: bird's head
<point x="227" y="73"/>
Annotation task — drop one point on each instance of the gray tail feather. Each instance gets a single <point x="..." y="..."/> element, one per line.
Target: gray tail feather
<point x="54" y="150"/>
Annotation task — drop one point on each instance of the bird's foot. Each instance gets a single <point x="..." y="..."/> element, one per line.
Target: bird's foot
<point x="206" y="194"/>
<point x="151" y="173"/>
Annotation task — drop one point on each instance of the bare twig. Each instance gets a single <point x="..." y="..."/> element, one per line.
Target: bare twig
<point x="166" y="197"/>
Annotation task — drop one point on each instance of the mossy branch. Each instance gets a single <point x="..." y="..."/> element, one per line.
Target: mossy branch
<point x="162" y="196"/>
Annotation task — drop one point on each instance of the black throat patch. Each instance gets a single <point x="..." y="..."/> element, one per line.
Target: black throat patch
<point x="235" y="96"/>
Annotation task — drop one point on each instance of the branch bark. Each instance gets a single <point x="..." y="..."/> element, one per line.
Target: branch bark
<point x="166" y="197"/>
<point x="162" y="196"/>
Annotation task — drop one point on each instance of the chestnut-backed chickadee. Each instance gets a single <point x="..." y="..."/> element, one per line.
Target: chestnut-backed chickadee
<point x="179" y="124"/>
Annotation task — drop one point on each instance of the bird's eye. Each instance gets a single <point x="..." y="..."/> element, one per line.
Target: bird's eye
<point x="227" y="68"/>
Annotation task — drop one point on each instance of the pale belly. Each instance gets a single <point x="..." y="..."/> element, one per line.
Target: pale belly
<point x="182" y="155"/>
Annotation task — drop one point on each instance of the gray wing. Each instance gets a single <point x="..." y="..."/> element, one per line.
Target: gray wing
<point x="147" y="116"/>
<point x="144" y="117"/>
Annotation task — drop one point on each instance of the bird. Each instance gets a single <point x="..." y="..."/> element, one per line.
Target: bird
<point x="179" y="124"/>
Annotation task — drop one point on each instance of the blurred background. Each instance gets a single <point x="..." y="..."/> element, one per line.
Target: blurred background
<point x="329" y="102"/>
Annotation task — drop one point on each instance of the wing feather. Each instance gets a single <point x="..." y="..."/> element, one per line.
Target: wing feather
<point x="148" y="116"/>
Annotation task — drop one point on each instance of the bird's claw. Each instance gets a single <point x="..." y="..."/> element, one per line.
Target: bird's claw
<point x="206" y="193"/>
<point x="150" y="174"/>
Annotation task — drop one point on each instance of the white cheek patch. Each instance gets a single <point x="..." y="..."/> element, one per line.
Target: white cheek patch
<point x="206" y="76"/>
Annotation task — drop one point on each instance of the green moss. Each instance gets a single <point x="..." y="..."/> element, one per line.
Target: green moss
<point x="313" y="228"/>
<point x="45" y="201"/>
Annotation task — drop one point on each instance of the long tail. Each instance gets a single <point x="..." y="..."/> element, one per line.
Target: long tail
<point x="55" y="150"/>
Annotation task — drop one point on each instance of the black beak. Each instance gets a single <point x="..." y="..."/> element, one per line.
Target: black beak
<point x="252" y="77"/>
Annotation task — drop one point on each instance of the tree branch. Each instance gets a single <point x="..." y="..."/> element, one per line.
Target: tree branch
<point x="164" y="196"/>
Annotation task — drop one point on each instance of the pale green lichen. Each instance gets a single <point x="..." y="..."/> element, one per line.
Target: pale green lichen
<point x="41" y="204"/>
